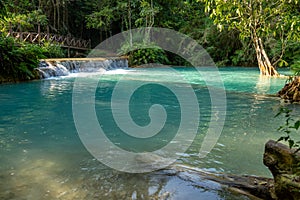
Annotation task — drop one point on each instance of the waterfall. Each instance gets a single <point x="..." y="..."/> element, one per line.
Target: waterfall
<point x="61" y="67"/>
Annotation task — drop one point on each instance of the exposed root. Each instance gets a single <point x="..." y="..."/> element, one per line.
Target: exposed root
<point x="291" y="90"/>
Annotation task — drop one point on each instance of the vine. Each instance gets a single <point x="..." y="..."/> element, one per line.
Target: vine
<point x="291" y="125"/>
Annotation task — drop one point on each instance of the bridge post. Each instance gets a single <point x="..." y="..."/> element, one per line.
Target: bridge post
<point x="10" y="29"/>
<point x="20" y="32"/>
<point x="90" y="44"/>
<point x="68" y="52"/>
<point x="48" y="33"/>
<point x="39" y="33"/>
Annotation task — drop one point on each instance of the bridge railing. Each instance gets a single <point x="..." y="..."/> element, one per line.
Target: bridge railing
<point x="63" y="41"/>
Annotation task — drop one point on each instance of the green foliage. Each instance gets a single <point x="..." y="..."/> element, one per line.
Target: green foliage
<point x="18" y="60"/>
<point x="149" y="55"/>
<point x="52" y="50"/>
<point x="172" y="14"/>
<point x="274" y="22"/>
<point x="263" y="17"/>
<point x="176" y="60"/>
<point x="20" y="6"/>
<point x="37" y="17"/>
<point x="2" y="9"/>
<point x="277" y="23"/>
<point x="296" y="67"/>
<point x="101" y="19"/>
<point x="225" y="47"/>
<point x="291" y="125"/>
<point x="140" y="53"/>
<point x="292" y="56"/>
<point x="147" y="13"/>
<point x="24" y="21"/>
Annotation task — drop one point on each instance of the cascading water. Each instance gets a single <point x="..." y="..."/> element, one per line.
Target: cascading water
<point x="54" y="68"/>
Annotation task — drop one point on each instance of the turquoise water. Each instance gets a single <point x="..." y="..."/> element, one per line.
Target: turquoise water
<point x="42" y="156"/>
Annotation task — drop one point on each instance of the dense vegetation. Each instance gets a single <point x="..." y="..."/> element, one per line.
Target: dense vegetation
<point x="244" y="33"/>
<point x="260" y="22"/>
<point x="18" y="60"/>
<point x="289" y="128"/>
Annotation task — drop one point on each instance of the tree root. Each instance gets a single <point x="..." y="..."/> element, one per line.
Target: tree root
<point x="291" y="90"/>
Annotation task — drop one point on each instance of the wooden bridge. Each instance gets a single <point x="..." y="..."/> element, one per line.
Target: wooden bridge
<point x="63" y="41"/>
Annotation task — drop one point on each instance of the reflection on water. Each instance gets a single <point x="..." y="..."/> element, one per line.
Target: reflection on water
<point x="263" y="84"/>
<point x="47" y="179"/>
<point x="42" y="157"/>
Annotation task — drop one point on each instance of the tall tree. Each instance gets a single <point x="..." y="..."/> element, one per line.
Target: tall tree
<point x="101" y="20"/>
<point x="259" y="20"/>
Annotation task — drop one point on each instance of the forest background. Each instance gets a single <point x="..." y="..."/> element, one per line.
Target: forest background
<point x="218" y="27"/>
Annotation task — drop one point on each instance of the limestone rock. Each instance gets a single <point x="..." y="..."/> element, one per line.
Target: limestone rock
<point x="284" y="164"/>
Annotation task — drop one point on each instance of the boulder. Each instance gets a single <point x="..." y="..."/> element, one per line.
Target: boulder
<point x="284" y="164"/>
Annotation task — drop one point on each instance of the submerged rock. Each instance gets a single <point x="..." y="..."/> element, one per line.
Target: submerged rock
<point x="252" y="186"/>
<point x="284" y="163"/>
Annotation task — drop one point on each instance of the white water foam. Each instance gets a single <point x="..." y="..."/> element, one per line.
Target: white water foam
<point x="75" y="68"/>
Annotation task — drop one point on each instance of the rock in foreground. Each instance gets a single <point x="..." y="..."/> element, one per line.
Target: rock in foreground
<point x="284" y="164"/>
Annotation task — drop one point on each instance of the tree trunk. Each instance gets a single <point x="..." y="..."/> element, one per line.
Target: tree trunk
<point x="264" y="64"/>
<point x="54" y="14"/>
<point x="58" y="15"/>
<point x="129" y="23"/>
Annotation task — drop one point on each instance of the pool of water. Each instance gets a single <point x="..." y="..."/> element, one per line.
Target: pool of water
<point x="42" y="156"/>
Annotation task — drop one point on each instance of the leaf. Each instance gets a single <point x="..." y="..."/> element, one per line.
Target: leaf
<point x="282" y="63"/>
<point x="280" y="139"/>
<point x="283" y="138"/>
<point x="280" y="128"/>
<point x="297" y="125"/>
<point x="291" y="143"/>
<point x="279" y="113"/>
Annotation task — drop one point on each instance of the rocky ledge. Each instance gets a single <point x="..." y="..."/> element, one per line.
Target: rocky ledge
<point x="284" y="163"/>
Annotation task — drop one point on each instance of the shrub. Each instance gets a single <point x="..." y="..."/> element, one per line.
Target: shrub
<point x="18" y="59"/>
<point x="52" y="50"/>
<point x="291" y="125"/>
<point x="141" y="53"/>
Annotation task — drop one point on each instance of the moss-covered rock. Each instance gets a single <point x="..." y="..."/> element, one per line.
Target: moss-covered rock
<point x="284" y="163"/>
